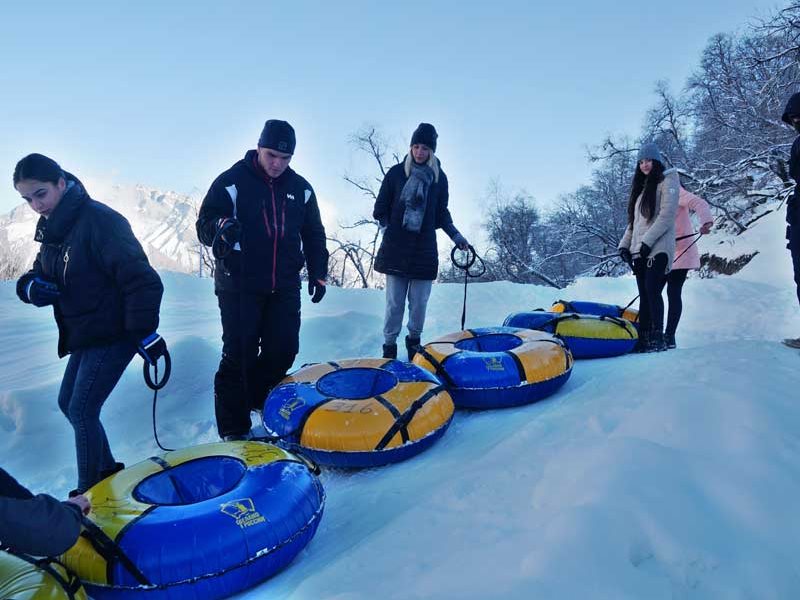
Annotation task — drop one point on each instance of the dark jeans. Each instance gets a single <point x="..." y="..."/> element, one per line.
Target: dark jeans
<point x="260" y="339"/>
<point x="90" y="377"/>
<point x="675" y="280"/>
<point x="650" y="279"/>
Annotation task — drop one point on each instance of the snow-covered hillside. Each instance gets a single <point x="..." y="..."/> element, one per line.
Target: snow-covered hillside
<point x="660" y="476"/>
<point x="162" y="221"/>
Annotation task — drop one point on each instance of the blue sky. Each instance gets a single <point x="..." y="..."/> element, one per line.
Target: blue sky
<point x="169" y="94"/>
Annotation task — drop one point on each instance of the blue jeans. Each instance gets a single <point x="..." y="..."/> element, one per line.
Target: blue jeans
<point x="90" y="377"/>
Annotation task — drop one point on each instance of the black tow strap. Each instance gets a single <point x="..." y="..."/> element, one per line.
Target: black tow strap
<point x="402" y="422"/>
<point x="155" y="384"/>
<point x="472" y="257"/>
<point x="110" y="551"/>
<point x="71" y="585"/>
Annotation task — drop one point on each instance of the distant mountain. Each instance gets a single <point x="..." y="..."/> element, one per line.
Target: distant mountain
<point x="162" y="221"/>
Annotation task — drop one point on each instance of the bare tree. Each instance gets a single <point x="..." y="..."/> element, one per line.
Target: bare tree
<point x="356" y="243"/>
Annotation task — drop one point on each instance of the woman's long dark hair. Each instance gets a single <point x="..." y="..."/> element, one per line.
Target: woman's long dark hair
<point x="38" y="167"/>
<point x="648" y="183"/>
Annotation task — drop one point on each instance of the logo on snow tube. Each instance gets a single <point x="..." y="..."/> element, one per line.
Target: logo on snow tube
<point x="289" y="407"/>
<point x="494" y="364"/>
<point x="244" y="512"/>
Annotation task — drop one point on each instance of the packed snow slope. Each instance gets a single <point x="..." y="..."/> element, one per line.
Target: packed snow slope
<point x="659" y="476"/>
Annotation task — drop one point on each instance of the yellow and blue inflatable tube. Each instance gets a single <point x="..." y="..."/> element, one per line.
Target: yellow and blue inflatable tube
<point x="587" y="336"/>
<point x="597" y="309"/>
<point x="495" y="367"/>
<point x="198" y="523"/>
<point x="359" y="412"/>
<point x="25" y="578"/>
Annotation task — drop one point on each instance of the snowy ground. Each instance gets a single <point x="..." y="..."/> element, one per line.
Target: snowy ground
<point x="672" y="475"/>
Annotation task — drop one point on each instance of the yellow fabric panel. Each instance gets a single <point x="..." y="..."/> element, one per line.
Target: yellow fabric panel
<point x="542" y="360"/>
<point x="85" y="562"/>
<point x="631" y="314"/>
<point x="113" y="505"/>
<point x="346" y="426"/>
<point x="434" y="413"/>
<point x="309" y="374"/>
<point x="251" y="453"/>
<point x="601" y="329"/>
<point x="22" y="581"/>
<point x="558" y="307"/>
<point x="437" y="411"/>
<point x="439" y="351"/>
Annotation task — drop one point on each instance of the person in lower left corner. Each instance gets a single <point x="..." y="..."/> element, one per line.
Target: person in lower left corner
<point x="791" y="116"/>
<point x="38" y="524"/>
<point x="105" y="296"/>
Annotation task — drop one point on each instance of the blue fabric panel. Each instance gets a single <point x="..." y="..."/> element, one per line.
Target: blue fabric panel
<point x="192" y="481"/>
<point x="507" y="397"/>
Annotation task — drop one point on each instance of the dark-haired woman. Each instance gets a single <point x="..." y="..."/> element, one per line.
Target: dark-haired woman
<point x="105" y="298"/>
<point x="648" y="244"/>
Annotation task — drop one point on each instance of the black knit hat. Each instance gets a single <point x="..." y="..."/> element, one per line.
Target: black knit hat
<point x="425" y="134"/>
<point x="277" y="135"/>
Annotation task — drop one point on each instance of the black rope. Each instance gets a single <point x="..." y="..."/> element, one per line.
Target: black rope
<point x="472" y="257"/>
<point x="154" y="384"/>
<point x="110" y="550"/>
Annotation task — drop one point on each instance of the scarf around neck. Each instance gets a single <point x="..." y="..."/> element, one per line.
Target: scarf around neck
<point x="415" y="196"/>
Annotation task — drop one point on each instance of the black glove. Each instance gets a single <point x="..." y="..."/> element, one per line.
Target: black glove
<point x="625" y="255"/>
<point x="230" y="230"/>
<point x="644" y="250"/>
<point x="152" y="348"/>
<point x="460" y="241"/>
<point x="316" y="290"/>
<point x="41" y="292"/>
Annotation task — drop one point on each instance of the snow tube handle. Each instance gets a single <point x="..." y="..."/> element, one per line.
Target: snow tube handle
<point x="157" y="385"/>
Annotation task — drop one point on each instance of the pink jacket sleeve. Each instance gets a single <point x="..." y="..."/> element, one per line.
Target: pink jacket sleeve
<point x="699" y="207"/>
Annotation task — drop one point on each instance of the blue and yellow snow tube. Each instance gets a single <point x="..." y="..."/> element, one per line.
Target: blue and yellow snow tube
<point x="359" y="412"/>
<point x="596" y="308"/>
<point x="587" y="336"/>
<point x="26" y="578"/>
<point x="198" y="523"/>
<point x="496" y="367"/>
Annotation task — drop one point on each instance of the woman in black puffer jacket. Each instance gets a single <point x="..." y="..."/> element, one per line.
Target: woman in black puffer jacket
<point x="105" y="297"/>
<point x="411" y="206"/>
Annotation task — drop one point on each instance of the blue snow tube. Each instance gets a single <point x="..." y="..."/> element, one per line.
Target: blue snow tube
<point x="203" y="522"/>
<point x="596" y="308"/>
<point x="358" y="413"/>
<point x="496" y="367"/>
<point x="587" y="336"/>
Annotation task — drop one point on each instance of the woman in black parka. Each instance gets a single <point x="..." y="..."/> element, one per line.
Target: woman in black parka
<point x="411" y="205"/>
<point x="105" y="297"/>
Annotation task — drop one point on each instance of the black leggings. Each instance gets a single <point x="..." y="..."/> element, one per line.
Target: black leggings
<point x="650" y="279"/>
<point x="675" y="281"/>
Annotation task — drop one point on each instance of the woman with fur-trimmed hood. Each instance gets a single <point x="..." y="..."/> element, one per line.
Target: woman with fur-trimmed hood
<point x="648" y="244"/>
<point x="411" y="205"/>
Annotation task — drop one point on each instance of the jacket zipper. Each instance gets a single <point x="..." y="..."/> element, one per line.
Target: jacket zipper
<point x="275" y="239"/>
<point x="66" y="264"/>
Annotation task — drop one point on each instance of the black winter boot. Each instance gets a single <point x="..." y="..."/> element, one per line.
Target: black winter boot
<point x="118" y="466"/>
<point x="657" y="343"/>
<point x="669" y="340"/>
<point x="390" y="351"/>
<point x="642" y="343"/>
<point x="411" y="346"/>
